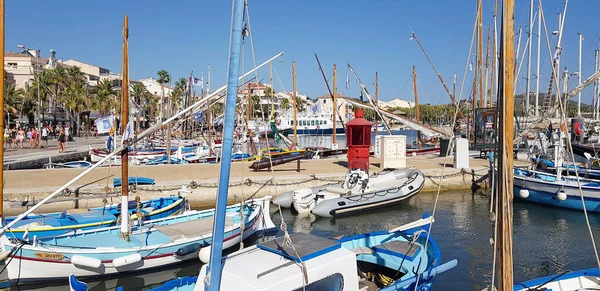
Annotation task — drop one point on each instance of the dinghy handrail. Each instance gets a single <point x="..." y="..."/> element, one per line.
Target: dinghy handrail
<point x="125" y="145"/>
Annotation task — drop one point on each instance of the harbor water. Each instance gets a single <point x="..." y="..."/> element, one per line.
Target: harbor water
<point x="546" y="240"/>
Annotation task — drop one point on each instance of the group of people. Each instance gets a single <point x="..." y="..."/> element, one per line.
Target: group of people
<point x="15" y="136"/>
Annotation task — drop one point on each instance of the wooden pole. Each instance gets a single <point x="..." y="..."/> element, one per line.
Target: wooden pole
<point x="294" y="103"/>
<point x="296" y="112"/>
<point x="505" y="155"/>
<point x="487" y="68"/>
<point x="124" y="121"/>
<point x="494" y="58"/>
<point x="2" y="6"/>
<point x="334" y="103"/>
<point x="376" y="100"/>
<point x="480" y="49"/>
<point x="417" y="112"/>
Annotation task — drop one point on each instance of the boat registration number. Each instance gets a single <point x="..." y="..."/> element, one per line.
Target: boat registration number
<point x="49" y="256"/>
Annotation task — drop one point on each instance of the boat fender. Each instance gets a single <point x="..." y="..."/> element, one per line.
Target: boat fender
<point x="561" y="195"/>
<point x="204" y="254"/>
<point x="127" y="260"/>
<point x="84" y="261"/>
<point x="523" y="193"/>
<point x="186" y="250"/>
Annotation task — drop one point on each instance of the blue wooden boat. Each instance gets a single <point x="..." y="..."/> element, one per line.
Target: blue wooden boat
<point x="383" y="260"/>
<point x="134" y="181"/>
<point x="549" y="166"/>
<point x="164" y="160"/>
<point x="58" y="223"/>
<point x="588" y="279"/>
<point x="157" y="243"/>
<point x="548" y="189"/>
<point x="239" y="156"/>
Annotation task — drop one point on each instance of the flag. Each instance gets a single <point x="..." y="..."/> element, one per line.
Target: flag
<point x="104" y="124"/>
<point x="199" y="82"/>
<point x="347" y="80"/>
<point x="314" y="108"/>
<point x="128" y="132"/>
<point x="198" y="115"/>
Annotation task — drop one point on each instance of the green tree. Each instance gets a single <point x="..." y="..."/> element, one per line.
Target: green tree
<point x="285" y="104"/>
<point x="13" y="99"/>
<point x="57" y="78"/>
<point x="104" y="99"/>
<point x="163" y="78"/>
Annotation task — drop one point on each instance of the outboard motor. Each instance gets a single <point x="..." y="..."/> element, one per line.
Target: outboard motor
<point x="304" y="200"/>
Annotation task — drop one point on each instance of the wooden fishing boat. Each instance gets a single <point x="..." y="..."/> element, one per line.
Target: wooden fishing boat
<point x="549" y="166"/>
<point x="561" y="191"/>
<point x="266" y="162"/>
<point x="405" y="258"/>
<point x="134" y="181"/>
<point x="162" y="160"/>
<point x="572" y="281"/>
<point x="58" y="223"/>
<point x="157" y="243"/>
<point x="68" y="165"/>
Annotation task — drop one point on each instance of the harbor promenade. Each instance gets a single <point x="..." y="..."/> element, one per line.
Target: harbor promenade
<point x="24" y="187"/>
<point x="15" y="159"/>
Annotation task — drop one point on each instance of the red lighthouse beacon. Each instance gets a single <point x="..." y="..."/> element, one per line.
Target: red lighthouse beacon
<point x="359" y="143"/>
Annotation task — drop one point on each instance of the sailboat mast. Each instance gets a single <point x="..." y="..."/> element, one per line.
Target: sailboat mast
<point x="294" y="103"/>
<point x="579" y="75"/>
<point x="505" y="148"/>
<point x="529" y="46"/>
<point x="124" y="121"/>
<point x="2" y="110"/>
<point x="235" y="48"/>
<point x="376" y="100"/>
<point x="334" y="102"/>
<point x="480" y="54"/>
<point x="209" y="118"/>
<point x="537" y="69"/>
<point x="417" y="113"/>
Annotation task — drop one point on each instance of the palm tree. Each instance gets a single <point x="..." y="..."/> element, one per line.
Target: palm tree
<point x="41" y="85"/>
<point x="163" y="77"/>
<point x="104" y="97"/>
<point x="285" y="104"/>
<point x="13" y="99"/>
<point x="142" y="98"/>
<point x="58" y="77"/>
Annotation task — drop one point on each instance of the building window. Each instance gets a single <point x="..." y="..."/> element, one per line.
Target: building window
<point x="12" y="65"/>
<point x="324" y="101"/>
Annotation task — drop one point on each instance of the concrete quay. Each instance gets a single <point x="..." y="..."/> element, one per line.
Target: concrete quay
<point x="18" y="159"/>
<point x="24" y="187"/>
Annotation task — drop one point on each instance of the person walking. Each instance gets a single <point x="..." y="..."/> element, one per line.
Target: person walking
<point x="45" y="132"/>
<point x="61" y="140"/>
<point x="7" y="138"/>
<point x="30" y="138"/>
<point x="36" y="138"/>
<point x="20" y="137"/>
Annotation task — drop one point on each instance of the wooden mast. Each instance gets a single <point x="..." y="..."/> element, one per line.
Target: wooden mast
<point x="124" y="121"/>
<point x="294" y="103"/>
<point x="494" y="58"/>
<point x="417" y="113"/>
<point x="487" y="68"/>
<point x="2" y="111"/>
<point x="334" y="103"/>
<point x="480" y="54"/>
<point x="376" y="100"/>
<point x="505" y="147"/>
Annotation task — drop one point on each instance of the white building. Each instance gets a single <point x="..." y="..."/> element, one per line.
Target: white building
<point x="154" y="88"/>
<point x="21" y="67"/>
<point x="94" y="74"/>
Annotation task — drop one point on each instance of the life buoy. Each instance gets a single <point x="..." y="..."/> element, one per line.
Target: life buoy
<point x="578" y="128"/>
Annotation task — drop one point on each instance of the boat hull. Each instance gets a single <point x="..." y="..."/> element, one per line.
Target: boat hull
<point x="551" y="193"/>
<point x="44" y="227"/>
<point x="45" y="262"/>
<point x="365" y="201"/>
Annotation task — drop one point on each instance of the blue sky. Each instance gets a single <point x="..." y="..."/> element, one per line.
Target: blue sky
<point x="182" y="36"/>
